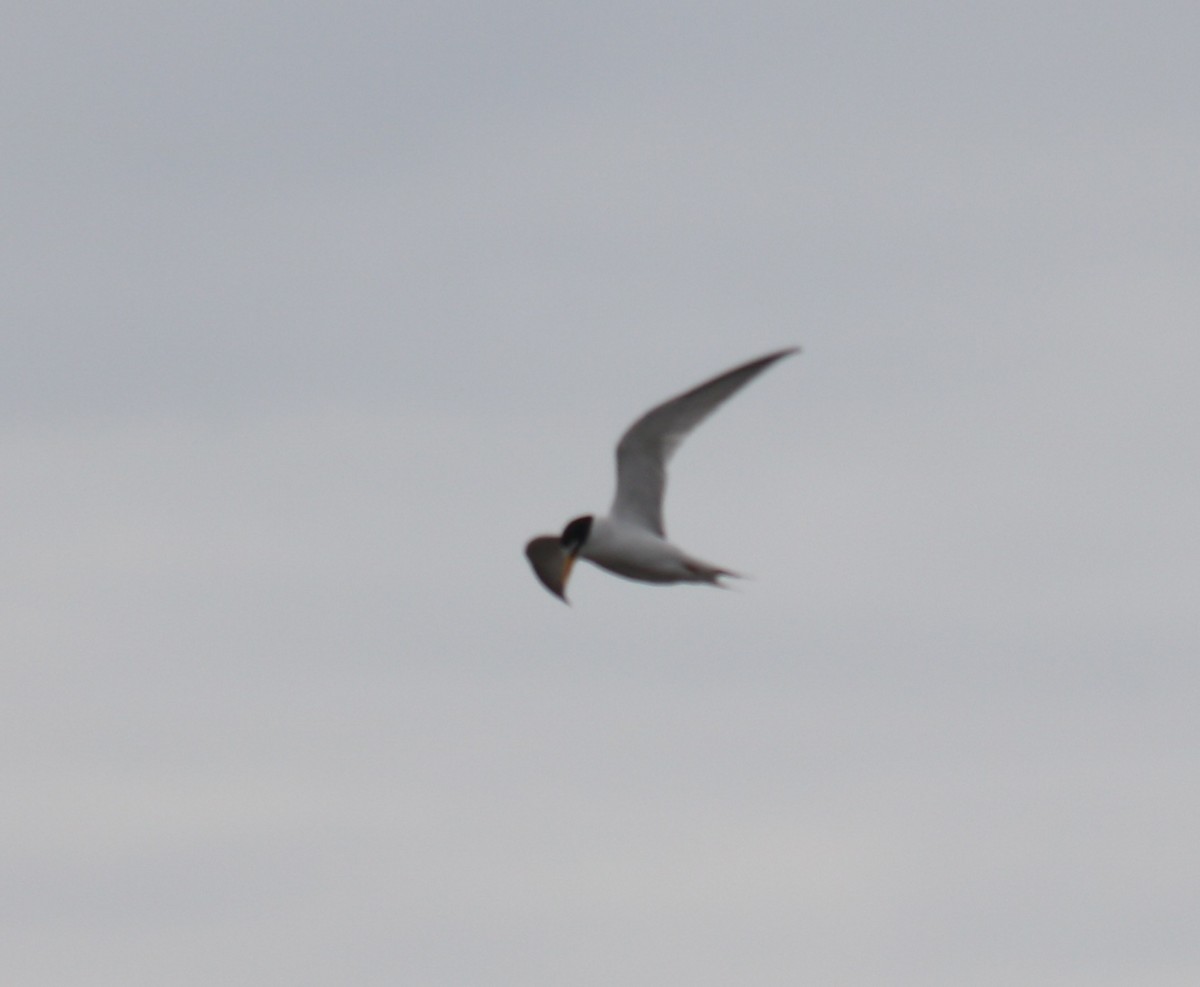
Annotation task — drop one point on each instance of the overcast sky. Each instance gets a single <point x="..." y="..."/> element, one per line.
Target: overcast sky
<point x="313" y="313"/>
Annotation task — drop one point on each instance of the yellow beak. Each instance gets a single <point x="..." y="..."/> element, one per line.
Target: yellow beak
<point x="567" y="566"/>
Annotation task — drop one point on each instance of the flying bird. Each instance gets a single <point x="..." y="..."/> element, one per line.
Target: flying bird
<point x="631" y="541"/>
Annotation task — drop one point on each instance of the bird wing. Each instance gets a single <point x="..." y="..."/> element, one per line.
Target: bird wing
<point x="648" y="444"/>
<point x="546" y="555"/>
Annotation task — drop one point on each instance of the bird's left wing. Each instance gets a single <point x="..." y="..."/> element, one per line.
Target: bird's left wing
<point x="546" y="555"/>
<point x="649" y="443"/>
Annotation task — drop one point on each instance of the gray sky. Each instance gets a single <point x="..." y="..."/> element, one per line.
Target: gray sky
<point x="315" y="312"/>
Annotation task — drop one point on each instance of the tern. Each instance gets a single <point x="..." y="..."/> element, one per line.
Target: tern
<point x="631" y="541"/>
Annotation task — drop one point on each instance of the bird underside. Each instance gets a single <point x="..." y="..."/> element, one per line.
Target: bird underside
<point x="691" y="571"/>
<point x="640" y="555"/>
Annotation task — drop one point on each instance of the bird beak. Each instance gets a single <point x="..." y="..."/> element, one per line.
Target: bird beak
<point x="568" y="564"/>
<point x="550" y="564"/>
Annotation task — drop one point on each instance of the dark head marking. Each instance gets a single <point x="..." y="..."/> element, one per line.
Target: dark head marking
<point x="576" y="533"/>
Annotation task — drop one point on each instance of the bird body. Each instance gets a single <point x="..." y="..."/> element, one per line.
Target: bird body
<point x="631" y="541"/>
<point x="637" y="553"/>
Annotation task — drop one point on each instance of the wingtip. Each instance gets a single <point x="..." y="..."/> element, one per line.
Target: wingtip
<point x="769" y="358"/>
<point x="762" y="362"/>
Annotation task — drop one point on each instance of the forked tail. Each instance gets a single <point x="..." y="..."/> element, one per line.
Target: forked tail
<point x="711" y="574"/>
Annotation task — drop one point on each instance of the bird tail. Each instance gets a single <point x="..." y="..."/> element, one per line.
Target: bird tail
<point x="712" y="574"/>
<point x="727" y="574"/>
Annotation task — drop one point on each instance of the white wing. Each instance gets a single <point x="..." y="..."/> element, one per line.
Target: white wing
<point x="649" y="443"/>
